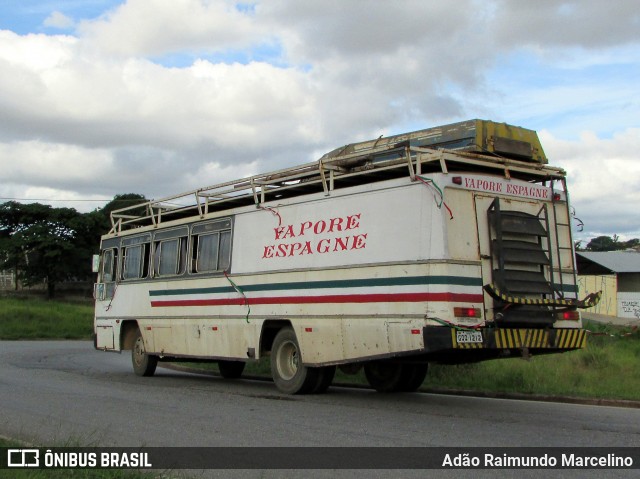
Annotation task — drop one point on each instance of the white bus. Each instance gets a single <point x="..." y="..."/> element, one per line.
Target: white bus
<point x="451" y="244"/>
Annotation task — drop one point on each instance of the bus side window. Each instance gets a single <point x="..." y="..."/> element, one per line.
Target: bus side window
<point x="146" y="260"/>
<point x="170" y="257"/>
<point x="211" y="246"/>
<point x="224" y="257"/>
<point x="206" y="252"/>
<point x="135" y="261"/>
<point x="182" y="260"/>
<point x="109" y="262"/>
<point x="131" y="261"/>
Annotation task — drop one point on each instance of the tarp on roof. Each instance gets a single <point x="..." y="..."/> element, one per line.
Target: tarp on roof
<point x="608" y="262"/>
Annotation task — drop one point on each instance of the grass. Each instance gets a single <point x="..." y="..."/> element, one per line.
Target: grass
<point x="35" y="318"/>
<point x="606" y="369"/>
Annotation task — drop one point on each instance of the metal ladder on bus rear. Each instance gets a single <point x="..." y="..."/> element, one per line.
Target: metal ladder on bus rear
<point x="522" y="260"/>
<point x="561" y="289"/>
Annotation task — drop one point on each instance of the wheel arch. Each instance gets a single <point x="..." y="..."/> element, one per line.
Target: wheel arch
<point x="128" y="334"/>
<point x="269" y="331"/>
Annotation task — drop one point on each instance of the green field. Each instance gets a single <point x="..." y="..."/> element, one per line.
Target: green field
<point x="606" y="369"/>
<point x="35" y="318"/>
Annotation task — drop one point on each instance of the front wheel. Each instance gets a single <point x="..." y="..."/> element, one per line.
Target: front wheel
<point x="287" y="370"/>
<point x="143" y="363"/>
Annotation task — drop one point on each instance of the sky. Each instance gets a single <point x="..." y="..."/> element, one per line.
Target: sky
<point x="159" y="97"/>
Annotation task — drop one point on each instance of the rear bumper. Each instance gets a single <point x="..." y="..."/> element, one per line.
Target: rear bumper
<point x="442" y="344"/>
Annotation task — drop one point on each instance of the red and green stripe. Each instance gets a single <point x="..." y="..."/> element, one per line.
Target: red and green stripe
<point x="186" y="296"/>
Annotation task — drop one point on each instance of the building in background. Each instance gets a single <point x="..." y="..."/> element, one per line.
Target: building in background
<point x="617" y="275"/>
<point x="7" y="280"/>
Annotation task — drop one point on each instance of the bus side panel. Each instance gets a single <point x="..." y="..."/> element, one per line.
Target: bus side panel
<point x="402" y="223"/>
<point x="357" y="338"/>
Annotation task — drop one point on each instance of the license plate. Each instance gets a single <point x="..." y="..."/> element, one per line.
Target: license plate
<point x="468" y="336"/>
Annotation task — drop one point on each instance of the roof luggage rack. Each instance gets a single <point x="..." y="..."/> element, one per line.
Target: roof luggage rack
<point x="359" y="163"/>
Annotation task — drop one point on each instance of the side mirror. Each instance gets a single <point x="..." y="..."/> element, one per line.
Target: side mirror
<point x="95" y="265"/>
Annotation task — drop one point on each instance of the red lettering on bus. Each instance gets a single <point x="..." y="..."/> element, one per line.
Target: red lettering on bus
<point x="353" y="222"/>
<point x="319" y="227"/>
<point x="335" y="224"/>
<point x="341" y="244"/>
<point x="306" y="249"/>
<point x="304" y="226"/>
<point x="359" y="241"/>
<point x="282" y="250"/>
<point x="294" y="248"/>
<point x="323" y="245"/>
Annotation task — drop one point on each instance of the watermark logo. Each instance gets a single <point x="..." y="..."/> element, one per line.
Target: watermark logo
<point x="23" y="458"/>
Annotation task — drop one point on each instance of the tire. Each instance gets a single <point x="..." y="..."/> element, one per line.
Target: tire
<point x="287" y="370"/>
<point x="143" y="364"/>
<point x="413" y="377"/>
<point x="350" y="368"/>
<point x="391" y="377"/>
<point x="325" y="378"/>
<point x="384" y="376"/>
<point x="231" y="369"/>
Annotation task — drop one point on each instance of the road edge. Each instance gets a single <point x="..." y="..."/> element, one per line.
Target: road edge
<point x="450" y="392"/>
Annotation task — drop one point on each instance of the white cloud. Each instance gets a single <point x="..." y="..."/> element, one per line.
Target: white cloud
<point x="97" y="102"/>
<point x="59" y="20"/>
<point x="44" y="164"/>
<point x="101" y="111"/>
<point x="143" y="28"/>
<point x="603" y="176"/>
<point x="35" y="52"/>
<point x="80" y="201"/>
<point x="544" y="24"/>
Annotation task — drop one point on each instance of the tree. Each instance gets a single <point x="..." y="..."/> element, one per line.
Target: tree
<point x="603" y="243"/>
<point x="611" y="243"/>
<point x="124" y="201"/>
<point x="632" y="244"/>
<point x="45" y="244"/>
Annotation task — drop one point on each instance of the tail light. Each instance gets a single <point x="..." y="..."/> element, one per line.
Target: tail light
<point x="569" y="316"/>
<point x="467" y="312"/>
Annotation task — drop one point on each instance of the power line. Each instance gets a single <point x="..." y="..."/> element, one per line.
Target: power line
<point x="51" y="199"/>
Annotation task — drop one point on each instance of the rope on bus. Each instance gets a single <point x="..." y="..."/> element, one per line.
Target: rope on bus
<point x="115" y="288"/>
<point x="273" y="211"/>
<point x="239" y="290"/>
<point x="439" y="200"/>
<point x="457" y="327"/>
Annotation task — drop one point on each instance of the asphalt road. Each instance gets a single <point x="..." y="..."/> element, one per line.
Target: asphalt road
<point x="65" y="392"/>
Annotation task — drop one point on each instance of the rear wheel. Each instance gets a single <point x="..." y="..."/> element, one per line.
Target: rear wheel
<point x="231" y="369"/>
<point x="287" y="370"/>
<point x="143" y="363"/>
<point x="325" y="378"/>
<point x="384" y="376"/>
<point x="413" y="377"/>
<point x="388" y="376"/>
